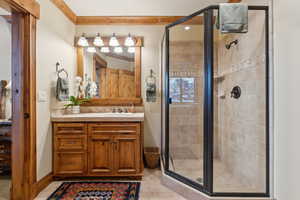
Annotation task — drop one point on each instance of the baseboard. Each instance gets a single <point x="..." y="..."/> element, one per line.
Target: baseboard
<point x="42" y="184"/>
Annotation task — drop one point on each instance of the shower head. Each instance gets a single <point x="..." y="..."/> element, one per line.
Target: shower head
<point x="234" y="42"/>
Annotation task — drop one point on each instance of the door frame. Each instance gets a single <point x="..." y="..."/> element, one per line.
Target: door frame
<point x="24" y="17"/>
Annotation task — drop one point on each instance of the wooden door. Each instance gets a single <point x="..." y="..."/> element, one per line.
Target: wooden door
<point x="127" y="154"/>
<point x="112" y="78"/>
<point x="100" y="159"/>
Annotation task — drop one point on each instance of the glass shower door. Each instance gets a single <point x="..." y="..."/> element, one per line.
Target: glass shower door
<point x="185" y="103"/>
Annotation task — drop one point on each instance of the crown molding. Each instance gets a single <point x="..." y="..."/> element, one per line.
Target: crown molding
<point x="133" y="20"/>
<point x="234" y="1"/>
<point x="30" y="6"/>
<point x="65" y="9"/>
<point x="119" y="20"/>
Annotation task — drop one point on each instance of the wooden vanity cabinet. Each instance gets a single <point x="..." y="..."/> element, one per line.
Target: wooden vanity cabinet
<point x="98" y="149"/>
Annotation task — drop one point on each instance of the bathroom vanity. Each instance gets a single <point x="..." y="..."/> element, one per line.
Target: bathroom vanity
<point x="98" y="144"/>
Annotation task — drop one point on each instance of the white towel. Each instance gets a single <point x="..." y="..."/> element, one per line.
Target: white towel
<point x="233" y="17"/>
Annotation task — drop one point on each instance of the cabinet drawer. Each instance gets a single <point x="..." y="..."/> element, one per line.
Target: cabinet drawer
<point x="70" y="163"/>
<point x="70" y="143"/>
<point x="114" y="128"/>
<point x="70" y="128"/>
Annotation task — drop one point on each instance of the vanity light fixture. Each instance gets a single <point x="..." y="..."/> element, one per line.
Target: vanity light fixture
<point x="98" y="41"/>
<point x="114" y="41"/>
<point x="129" y="41"/>
<point x="105" y="49"/>
<point x="91" y="50"/>
<point x="131" y="49"/>
<point x="187" y="28"/>
<point x="83" y="41"/>
<point x="118" y="50"/>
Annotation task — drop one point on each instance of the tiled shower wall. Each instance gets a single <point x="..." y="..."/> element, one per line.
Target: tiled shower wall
<point x="186" y="119"/>
<point x="241" y="122"/>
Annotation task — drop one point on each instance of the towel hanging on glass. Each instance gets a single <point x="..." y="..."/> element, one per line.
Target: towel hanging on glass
<point x="233" y="18"/>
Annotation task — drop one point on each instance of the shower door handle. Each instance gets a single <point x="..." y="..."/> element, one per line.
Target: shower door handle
<point x="170" y="100"/>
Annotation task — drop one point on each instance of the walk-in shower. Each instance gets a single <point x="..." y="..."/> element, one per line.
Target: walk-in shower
<point x="215" y="109"/>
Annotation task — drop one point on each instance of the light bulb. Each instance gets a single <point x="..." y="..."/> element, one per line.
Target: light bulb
<point x="187" y="28"/>
<point x="105" y="50"/>
<point x="118" y="50"/>
<point x="131" y="49"/>
<point x="98" y="41"/>
<point x="83" y="41"/>
<point x="114" y="41"/>
<point x="129" y="41"/>
<point x="91" y="50"/>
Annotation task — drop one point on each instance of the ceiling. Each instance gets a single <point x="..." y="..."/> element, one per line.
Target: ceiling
<point x="138" y="7"/>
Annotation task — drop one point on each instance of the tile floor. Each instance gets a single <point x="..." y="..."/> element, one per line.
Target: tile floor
<point x="151" y="188"/>
<point x="224" y="180"/>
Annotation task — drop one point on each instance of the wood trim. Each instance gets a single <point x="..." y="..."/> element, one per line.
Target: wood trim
<point x="138" y="72"/>
<point x="120" y="20"/>
<point x="67" y="11"/>
<point x="80" y="61"/>
<point x="134" y="20"/>
<point x="18" y="125"/>
<point x="30" y="87"/>
<point x="114" y="102"/>
<point x="24" y="104"/>
<point x="234" y="1"/>
<point x="42" y="184"/>
<point x="29" y="6"/>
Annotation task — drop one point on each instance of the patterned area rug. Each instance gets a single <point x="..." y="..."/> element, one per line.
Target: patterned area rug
<point x="97" y="191"/>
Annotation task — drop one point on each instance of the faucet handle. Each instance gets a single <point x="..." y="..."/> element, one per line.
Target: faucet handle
<point x="120" y="110"/>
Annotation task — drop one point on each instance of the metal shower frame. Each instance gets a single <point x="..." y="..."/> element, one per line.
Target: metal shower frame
<point x="207" y="187"/>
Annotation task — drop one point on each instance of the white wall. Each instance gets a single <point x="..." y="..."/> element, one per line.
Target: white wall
<point x="150" y="60"/>
<point x="287" y="98"/>
<point x="55" y="41"/>
<point x="5" y="48"/>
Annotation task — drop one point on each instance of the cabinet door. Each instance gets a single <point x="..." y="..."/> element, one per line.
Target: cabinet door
<point x="127" y="154"/>
<point x="70" y="163"/>
<point x="100" y="155"/>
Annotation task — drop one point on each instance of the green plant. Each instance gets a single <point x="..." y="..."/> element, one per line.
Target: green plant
<point x="75" y="101"/>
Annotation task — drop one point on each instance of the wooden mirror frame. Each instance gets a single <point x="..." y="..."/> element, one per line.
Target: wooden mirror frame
<point x="137" y="100"/>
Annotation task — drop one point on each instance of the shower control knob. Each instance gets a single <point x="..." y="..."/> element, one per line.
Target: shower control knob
<point x="236" y="92"/>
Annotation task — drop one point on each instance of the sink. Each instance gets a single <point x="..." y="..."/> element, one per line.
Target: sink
<point x="98" y="117"/>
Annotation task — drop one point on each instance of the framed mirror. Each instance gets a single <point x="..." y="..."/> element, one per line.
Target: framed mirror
<point x="114" y="72"/>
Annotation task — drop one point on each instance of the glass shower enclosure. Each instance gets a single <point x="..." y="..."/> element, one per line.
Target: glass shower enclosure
<point x="215" y="107"/>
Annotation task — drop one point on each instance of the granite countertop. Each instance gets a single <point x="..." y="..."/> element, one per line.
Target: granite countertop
<point x="98" y="117"/>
